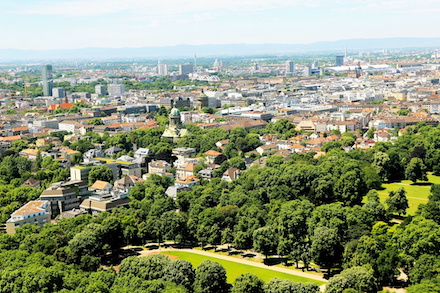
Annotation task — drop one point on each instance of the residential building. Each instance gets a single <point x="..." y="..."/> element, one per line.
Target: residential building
<point x="211" y="155"/>
<point x="231" y="174"/>
<point x="189" y="182"/>
<point x="34" y="212"/>
<point x="64" y="196"/>
<point x="162" y="69"/>
<point x="115" y="90"/>
<point x="104" y="203"/>
<point x="158" y="167"/>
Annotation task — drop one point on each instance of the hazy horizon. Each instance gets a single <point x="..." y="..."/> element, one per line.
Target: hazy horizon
<point x="75" y="24"/>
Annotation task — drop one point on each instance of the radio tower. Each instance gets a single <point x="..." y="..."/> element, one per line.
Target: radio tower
<point x="195" y="62"/>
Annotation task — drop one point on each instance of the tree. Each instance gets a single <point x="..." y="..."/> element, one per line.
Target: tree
<point x="210" y="278"/>
<point x="95" y="121"/>
<point x="326" y="247"/>
<point x="248" y="283"/>
<point x="358" y="278"/>
<point x="351" y="187"/>
<point x="416" y="170"/>
<point x="375" y="206"/>
<point x="370" y="132"/>
<point x="420" y="236"/>
<point x="381" y="161"/>
<point x="426" y="267"/>
<point x="102" y="172"/>
<point x="181" y="272"/>
<point x="265" y="240"/>
<point x="276" y="285"/>
<point x="150" y="267"/>
<point x="208" y="110"/>
<point x="397" y="201"/>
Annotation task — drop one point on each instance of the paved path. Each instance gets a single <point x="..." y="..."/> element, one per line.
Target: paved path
<point x="241" y="261"/>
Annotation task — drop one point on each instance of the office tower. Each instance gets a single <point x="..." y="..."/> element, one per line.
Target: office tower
<point x="339" y="60"/>
<point x="162" y="69"/>
<point x="100" y="90"/>
<point x="290" y="67"/>
<point x="307" y="71"/>
<point x="47" y="80"/>
<point x="58" y="92"/>
<point x="185" y="69"/>
<point x="315" y="64"/>
<point x="115" y="89"/>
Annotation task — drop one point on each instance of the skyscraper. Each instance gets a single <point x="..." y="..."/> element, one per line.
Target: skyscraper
<point x="290" y="67"/>
<point x="185" y="69"/>
<point x="47" y="80"/>
<point x="339" y="60"/>
<point x="162" y="69"/>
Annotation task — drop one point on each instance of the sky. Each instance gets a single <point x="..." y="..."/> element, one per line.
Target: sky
<point x="71" y="24"/>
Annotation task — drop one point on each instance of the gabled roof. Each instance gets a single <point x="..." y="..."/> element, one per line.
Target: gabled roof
<point x="99" y="185"/>
<point x="212" y="153"/>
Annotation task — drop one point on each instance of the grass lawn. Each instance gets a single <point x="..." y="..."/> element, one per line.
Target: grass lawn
<point x="233" y="269"/>
<point x="416" y="194"/>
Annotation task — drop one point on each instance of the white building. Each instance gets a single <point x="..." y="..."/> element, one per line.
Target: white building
<point x="116" y="89"/>
<point x="34" y="212"/>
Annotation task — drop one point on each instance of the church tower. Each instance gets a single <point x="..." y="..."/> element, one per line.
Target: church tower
<point x="175" y="130"/>
<point x="202" y="101"/>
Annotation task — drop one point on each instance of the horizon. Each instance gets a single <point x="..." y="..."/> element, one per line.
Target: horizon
<point x="79" y="24"/>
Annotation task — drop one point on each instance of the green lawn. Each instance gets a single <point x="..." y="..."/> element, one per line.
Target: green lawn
<point x="416" y="194"/>
<point x="233" y="269"/>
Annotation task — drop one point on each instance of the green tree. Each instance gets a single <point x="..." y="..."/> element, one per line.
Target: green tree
<point x="181" y="272"/>
<point x="426" y="267"/>
<point x="359" y="278"/>
<point x="416" y="170"/>
<point x="102" y="172"/>
<point x="381" y="161"/>
<point x="397" y="202"/>
<point x="247" y="283"/>
<point x="265" y="240"/>
<point x="210" y="278"/>
<point x="95" y="121"/>
<point x="326" y="247"/>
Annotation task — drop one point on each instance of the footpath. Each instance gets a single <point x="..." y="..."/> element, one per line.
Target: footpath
<point x="238" y="260"/>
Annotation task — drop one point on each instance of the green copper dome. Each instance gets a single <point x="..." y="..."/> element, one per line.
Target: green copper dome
<point x="175" y="112"/>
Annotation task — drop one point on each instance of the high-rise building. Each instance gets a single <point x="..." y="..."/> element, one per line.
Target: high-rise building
<point x="58" y="92"/>
<point x="307" y="71"/>
<point x="185" y="69"/>
<point x="100" y="89"/>
<point x="315" y="64"/>
<point x="115" y="89"/>
<point x="47" y="80"/>
<point x="162" y="69"/>
<point x="339" y="60"/>
<point x="290" y="67"/>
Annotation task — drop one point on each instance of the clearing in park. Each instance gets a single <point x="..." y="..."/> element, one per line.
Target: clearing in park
<point x="416" y="193"/>
<point x="234" y="269"/>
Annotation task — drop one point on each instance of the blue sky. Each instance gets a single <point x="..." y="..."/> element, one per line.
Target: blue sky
<point x="65" y="24"/>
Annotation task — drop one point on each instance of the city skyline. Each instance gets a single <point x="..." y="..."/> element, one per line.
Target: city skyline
<point x="70" y="24"/>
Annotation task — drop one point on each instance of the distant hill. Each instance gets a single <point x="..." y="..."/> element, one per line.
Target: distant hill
<point x="218" y="50"/>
